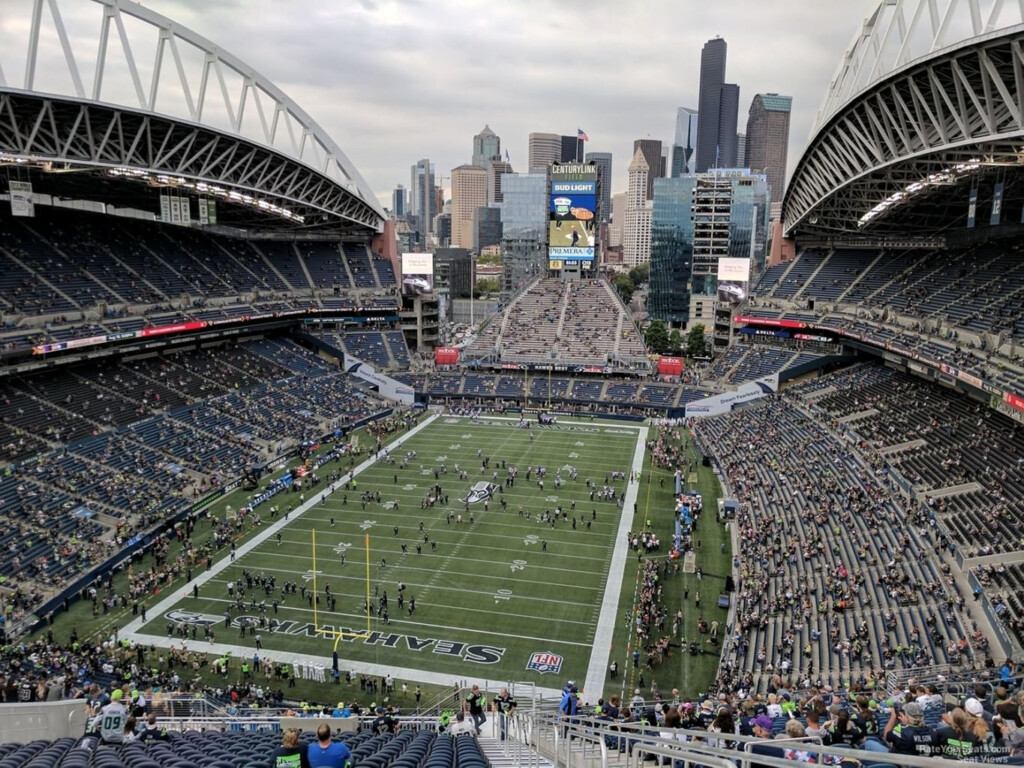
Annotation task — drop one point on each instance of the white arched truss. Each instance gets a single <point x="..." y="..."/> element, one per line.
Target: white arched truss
<point x="909" y="136"/>
<point x="180" y="77"/>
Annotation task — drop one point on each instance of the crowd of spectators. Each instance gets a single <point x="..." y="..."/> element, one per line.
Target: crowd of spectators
<point x="566" y="322"/>
<point x="196" y="421"/>
<point x="839" y="575"/>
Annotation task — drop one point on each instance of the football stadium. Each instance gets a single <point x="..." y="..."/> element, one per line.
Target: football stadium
<point x="259" y="498"/>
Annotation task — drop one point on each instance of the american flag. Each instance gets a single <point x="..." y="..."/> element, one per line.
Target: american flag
<point x="581" y="135"/>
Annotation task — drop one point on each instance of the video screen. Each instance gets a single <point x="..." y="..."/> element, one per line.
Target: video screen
<point x="417" y="274"/>
<point x="733" y="280"/>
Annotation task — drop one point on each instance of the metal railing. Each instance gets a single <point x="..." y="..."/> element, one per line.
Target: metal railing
<point x="590" y="743"/>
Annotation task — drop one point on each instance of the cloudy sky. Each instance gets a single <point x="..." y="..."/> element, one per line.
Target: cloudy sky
<point x="393" y="81"/>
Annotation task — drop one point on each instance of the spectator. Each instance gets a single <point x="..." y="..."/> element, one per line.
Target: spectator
<point x="325" y="753"/>
<point x="290" y="754"/>
<point x="462" y="725"/>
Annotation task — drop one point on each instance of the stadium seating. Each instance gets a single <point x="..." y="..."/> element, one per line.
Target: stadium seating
<point x="827" y="589"/>
<point x="961" y="456"/>
<point x="581" y="322"/>
<point x="244" y="749"/>
<point x="145" y="437"/>
<point x="66" y="264"/>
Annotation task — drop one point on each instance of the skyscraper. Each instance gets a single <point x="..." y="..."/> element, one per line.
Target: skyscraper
<point x="398" y="201"/>
<point x="636" y="232"/>
<point x="651" y="150"/>
<point x="718" y="109"/>
<point x="768" y="139"/>
<point x="741" y="150"/>
<point x="696" y="221"/>
<point x="486" y="147"/>
<point x="603" y="161"/>
<point x="572" y="150"/>
<point x="495" y="170"/>
<point x="424" y="197"/>
<point x="469" y="192"/>
<point x="544" y="149"/>
<point x="684" y="146"/>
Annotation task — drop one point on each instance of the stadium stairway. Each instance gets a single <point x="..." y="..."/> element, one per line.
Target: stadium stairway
<point x="814" y="274"/>
<point x="503" y="755"/>
<point x="871" y="266"/>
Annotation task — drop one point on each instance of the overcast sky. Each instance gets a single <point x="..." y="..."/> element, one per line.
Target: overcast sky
<point x="393" y="81"/>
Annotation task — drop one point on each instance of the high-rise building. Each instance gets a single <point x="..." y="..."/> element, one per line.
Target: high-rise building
<point x="424" y="196"/>
<point x="544" y="149"/>
<point x="768" y="139"/>
<point x="636" y="232"/>
<point x="651" y="150"/>
<point x="572" y="150"/>
<point x="697" y="220"/>
<point x="486" y="228"/>
<point x="524" y="229"/>
<point x="398" y="202"/>
<point x="495" y="170"/>
<point x="486" y="147"/>
<point x="718" y="110"/>
<point x="469" y="192"/>
<point x="603" y="161"/>
<point x="741" y="150"/>
<point x="684" y="146"/>
<point x="618" y="220"/>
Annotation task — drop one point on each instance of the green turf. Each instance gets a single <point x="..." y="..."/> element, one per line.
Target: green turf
<point x="490" y="589"/>
<point x="691" y="674"/>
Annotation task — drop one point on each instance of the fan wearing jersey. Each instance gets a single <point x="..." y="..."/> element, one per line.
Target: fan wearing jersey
<point x="111" y="719"/>
<point x="384" y="723"/>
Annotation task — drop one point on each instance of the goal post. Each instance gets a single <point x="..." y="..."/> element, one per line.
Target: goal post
<point x="338" y="634"/>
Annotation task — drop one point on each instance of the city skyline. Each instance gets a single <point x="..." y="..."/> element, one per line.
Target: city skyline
<point x="413" y="80"/>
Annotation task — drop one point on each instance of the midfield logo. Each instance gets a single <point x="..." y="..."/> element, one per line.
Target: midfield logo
<point x="544" y="662"/>
<point x="482" y="491"/>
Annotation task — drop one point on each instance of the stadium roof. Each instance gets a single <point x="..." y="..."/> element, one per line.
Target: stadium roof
<point x="201" y="116"/>
<point x="923" y="108"/>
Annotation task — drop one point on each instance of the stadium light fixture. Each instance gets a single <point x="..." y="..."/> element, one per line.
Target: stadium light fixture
<point x="945" y="177"/>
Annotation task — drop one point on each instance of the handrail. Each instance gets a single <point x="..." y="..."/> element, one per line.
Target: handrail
<point x="639" y="738"/>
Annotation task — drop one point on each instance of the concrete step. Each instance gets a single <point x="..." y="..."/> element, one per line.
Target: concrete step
<point x="509" y="755"/>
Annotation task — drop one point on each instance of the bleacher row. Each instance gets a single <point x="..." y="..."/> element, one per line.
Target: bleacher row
<point x="247" y="749"/>
<point x="837" y="576"/>
<point x="581" y="323"/>
<point x="746" y="362"/>
<point x="963" y="458"/>
<point x="92" y="274"/>
<point x="960" y="306"/>
<point x="382" y="349"/>
<point x="141" y="440"/>
<point x="558" y="389"/>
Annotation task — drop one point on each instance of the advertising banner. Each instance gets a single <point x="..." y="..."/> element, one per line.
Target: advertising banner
<point x="1015" y="401"/>
<point x="733" y="280"/>
<point x="670" y="366"/>
<point x="386" y="386"/>
<point x="770" y="321"/>
<point x="21" y="198"/>
<point x="997" y="204"/>
<point x="446" y="355"/>
<point x="417" y="274"/>
<point x="972" y="208"/>
<point x="573" y="188"/>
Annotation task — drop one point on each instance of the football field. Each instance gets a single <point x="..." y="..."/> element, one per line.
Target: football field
<point x="502" y="589"/>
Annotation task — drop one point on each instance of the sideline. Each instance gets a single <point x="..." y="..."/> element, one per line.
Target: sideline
<point x="593" y="687"/>
<point x="132" y="629"/>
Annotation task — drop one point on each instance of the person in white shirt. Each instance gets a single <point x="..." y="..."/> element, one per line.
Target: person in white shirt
<point x="462" y="725"/>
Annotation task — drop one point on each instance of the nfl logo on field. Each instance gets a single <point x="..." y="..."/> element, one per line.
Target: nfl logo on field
<point x="544" y="662"/>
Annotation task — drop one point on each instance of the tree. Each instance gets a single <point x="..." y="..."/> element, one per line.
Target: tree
<point x="675" y="342"/>
<point x="485" y="285"/>
<point x="640" y="274"/>
<point x="625" y="286"/>
<point x="656" y="337"/>
<point x="696" y="344"/>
